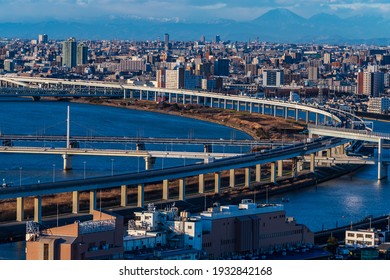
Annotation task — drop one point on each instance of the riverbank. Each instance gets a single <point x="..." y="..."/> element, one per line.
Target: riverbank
<point x="258" y="126"/>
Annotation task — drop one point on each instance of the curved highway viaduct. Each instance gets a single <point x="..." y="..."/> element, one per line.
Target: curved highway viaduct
<point x="51" y="87"/>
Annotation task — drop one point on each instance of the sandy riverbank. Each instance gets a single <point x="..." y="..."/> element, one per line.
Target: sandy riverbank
<point x="258" y="126"/>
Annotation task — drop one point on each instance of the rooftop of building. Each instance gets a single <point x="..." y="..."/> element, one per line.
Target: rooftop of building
<point x="246" y="207"/>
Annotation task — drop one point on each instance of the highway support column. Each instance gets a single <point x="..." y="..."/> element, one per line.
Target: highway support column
<point x="141" y="195"/>
<point x="217" y="183"/>
<point x="165" y="189"/>
<point x="258" y="173"/>
<point x="280" y="168"/>
<point x="123" y="195"/>
<point x="75" y="202"/>
<point x="38" y="209"/>
<point x="312" y="162"/>
<point x="273" y="172"/>
<point x="67" y="161"/>
<point x="19" y="209"/>
<point x="149" y="162"/>
<point x="232" y="180"/>
<point x="382" y="168"/>
<point x="182" y="189"/>
<point x="92" y="201"/>
<point x="201" y="183"/>
<point x="294" y="167"/>
<point x="248" y="177"/>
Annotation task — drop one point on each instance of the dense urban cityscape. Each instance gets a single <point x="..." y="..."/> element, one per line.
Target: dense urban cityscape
<point x="358" y="75"/>
<point x="352" y="78"/>
<point x="195" y="130"/>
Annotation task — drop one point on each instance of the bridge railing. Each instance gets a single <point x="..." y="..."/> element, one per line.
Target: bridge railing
<point x="354" y="131"/>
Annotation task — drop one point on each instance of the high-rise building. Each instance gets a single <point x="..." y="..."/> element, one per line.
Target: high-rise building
<point x="82" y="54"/>
<point x="69" y="53"/>
<point x="373" y="83"/>
<point x="312" y="73"/>
<point x="327" y="58"/>
<point x="217" y="39"/>
<point x="202" y="39"/>
<point x="221" y="67"/>
<point x="9" y="65"/>
<point x="273" y="78"/>
<point x="174" y="78"/>
<point x="166" y="41"/>
<point x="42" y="39"/>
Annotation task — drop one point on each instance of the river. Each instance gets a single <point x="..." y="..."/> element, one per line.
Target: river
<point x="336" y="202"/>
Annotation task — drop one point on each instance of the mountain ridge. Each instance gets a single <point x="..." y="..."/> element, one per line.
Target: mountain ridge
<point x="276" y="25"/>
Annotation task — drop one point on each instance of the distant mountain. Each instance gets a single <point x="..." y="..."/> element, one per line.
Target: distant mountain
<point x="277" y="25"/>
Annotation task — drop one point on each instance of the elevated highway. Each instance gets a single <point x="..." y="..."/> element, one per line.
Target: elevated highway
<point x="273" y="157"/>
<point x="74" y="88"/>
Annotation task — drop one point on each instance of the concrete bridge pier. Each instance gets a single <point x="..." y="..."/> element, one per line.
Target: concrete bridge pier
<point x="123" y="195"/>
<point x="67" y="161"/>
<point x="307" y="116"/>
<point x="280" y="168"/>
<point x="20" y="209"/>
<point x="182" y="189"/>
<point x="149" y="162"/>
<point x="165" y="189"/>
<point x="232" y="178"/>
<point x="217" y="184"/>
<point x="312" y="162"/>
<point x="92" y="201"/>
<point x="201" y="183"/>
<point x="294" y="168"/>
<point x="382" y="167"/>
<point x="296" y="114"/>
<point x="248" y="179"/>
<point x="75" y="202"/>
<point x="258" y="173"/>
<point x="38" y="209"/>
<point x="273" y="172"/>
<point x="141" y="195"/>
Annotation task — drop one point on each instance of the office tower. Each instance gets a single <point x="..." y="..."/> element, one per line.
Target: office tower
<point x="82" y="54"/>
<point x="160" y="78"/>
<point x="174" y="79"/>
<point x="221" y="67"/>
<point x="327" y="58"/>
<point x="273" y="78"/>
<point x="9" y="65"/>
<point x="373" y="83"/>
<point x="251" y="69"/>
<point x="166" y="41"/>
<point x="202" y="39"/>
<point x="360" y="82"/>
<point x="69" y="53"/>
<point x="42" y="39"/>
<point x="312" y="73"/>
<point x="217" y="39"/>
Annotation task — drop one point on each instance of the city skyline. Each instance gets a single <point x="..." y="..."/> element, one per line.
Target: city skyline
<point x="183" y="11"/>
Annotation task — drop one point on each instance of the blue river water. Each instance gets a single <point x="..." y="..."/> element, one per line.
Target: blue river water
<point x="337" y="202"/>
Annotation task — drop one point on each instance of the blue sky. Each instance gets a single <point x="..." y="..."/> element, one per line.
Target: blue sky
<point x="184" y="10"/>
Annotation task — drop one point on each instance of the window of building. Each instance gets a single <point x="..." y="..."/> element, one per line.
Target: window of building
<point x="350" y="234"/>
<point x="359" y="235"/>
<point x="189" y="227"/>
